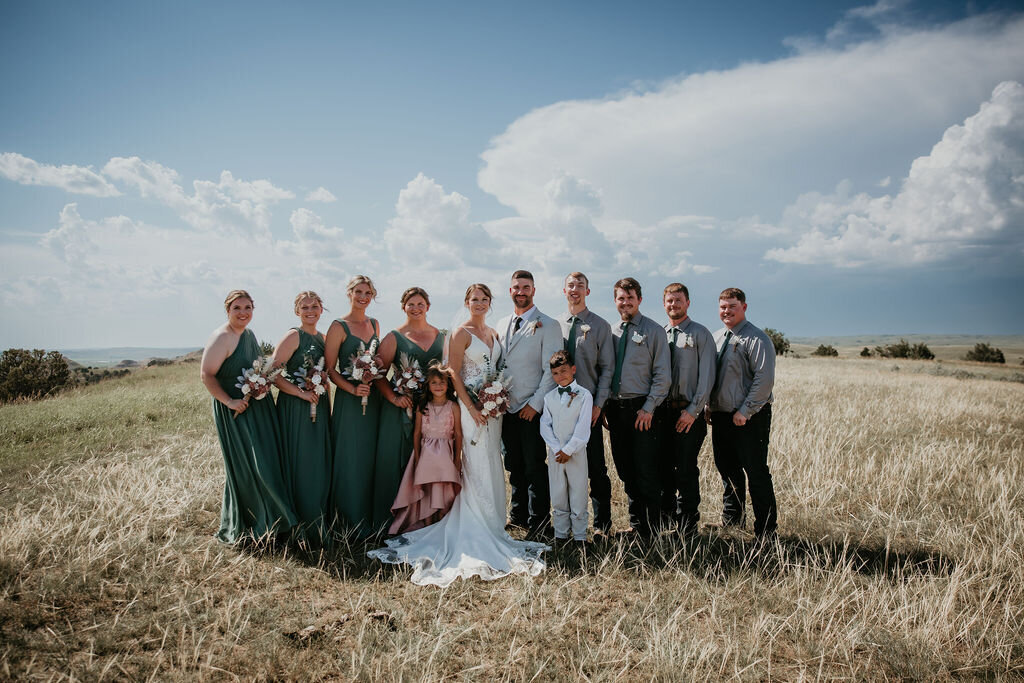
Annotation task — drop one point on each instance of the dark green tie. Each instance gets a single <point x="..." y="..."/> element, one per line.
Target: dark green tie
<point x="620" y="354"/>
<point x="570" y="343"/>
<point x="564" y="390"/>
<point x="675" y="335"/>
<point x="721" y="352"/>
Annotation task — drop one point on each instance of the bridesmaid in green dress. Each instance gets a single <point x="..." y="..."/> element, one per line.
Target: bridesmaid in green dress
<point x="306" y="444"/>
<point x="257" y="503"/>
<point x="353" y="432"/>
<point x="423" y="343"/>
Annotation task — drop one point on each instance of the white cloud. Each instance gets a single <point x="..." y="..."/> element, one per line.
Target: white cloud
<point x="433" y="229"/>
<point x="321" y="194"/>
<point x="227" y="203"/>
<point x="75" y="179"/>
<point x="309" y="227"/>
<point x="741" y="141"/>
<point x="963" y="197"/>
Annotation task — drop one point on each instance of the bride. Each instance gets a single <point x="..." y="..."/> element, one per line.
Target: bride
<point x="470" y="540"/>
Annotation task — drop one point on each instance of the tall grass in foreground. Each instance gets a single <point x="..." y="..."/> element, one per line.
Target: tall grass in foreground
<point x="901" y="522"/>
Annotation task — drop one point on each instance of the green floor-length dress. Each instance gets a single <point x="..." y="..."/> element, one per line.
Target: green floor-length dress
<point x="394" y="440"/>
<point x="355" y="447"/>
<point x="257" y="502"/>
<point x="307" y="444"/>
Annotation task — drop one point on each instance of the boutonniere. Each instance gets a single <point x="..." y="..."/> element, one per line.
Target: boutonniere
<point x="572" y="395"/>
<point x="688" y="341"/>
<point x="584" y="328"/>
<point x="639" y="338"/>
<point x="533" y="326"/>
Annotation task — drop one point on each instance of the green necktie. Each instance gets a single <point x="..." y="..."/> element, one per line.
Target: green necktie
<point x="570" y="343"/>
<point x="721" y="352"/>
<point x="620" y="354"/>
<point x="675" y="335"/>
<point x="564" y="390"/>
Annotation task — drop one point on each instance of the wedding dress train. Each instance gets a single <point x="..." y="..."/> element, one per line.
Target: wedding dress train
<point x="470" y="540"/>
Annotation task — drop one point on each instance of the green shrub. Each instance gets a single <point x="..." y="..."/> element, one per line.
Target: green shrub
<point x="865" y="352"/>
<point x="983" y="353"/>
<point x="825" y="350"/>
<point x="903" y="349"/>
<point x="30" y="374"/>
<point x="779" y="341"/>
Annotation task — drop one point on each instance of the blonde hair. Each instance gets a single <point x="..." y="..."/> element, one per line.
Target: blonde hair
<point x="360" y="280"/>
<point x="307" y="294"/>
<point x="236" y="294"/>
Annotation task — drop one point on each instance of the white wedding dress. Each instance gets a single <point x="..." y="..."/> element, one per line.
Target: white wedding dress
<point x="470" y="540"/>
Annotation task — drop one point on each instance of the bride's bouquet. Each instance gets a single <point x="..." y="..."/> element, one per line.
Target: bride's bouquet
<point x="311" y="377"/>
<point x="365" y="366"/>
<point x="408" y="379"/>
<point x="491" y="400"/>
<point x="255" y="382"/>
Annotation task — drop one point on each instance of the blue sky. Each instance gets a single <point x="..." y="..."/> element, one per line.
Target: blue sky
<point x="856" y="168"/>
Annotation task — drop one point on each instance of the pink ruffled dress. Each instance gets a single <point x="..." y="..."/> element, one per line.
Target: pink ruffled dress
<point x="431" y="483"/>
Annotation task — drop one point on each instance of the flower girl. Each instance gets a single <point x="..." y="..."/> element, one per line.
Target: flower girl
<point x="431" y="480"/>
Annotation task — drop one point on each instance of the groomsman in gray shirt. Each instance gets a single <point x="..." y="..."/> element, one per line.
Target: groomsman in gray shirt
<point x="681" y="417"/>
<point x="640" y="382"/>
<point x="741" y="415"/>
<point x="588" y="341"/>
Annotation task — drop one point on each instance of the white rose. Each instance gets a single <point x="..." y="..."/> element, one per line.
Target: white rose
<point x="316" y="380"/>
<point x="245" y="389"/>
<point x="414" y="384"/>
<point x="261" y="380"/>
<point x="319" y="390"/>
<point x="490" y="405"/>
<point x="357" y="374"/>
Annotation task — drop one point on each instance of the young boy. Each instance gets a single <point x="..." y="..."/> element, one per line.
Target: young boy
<point x="565" y="428"/>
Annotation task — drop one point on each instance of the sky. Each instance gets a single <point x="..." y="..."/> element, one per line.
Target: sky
<point x="854" y="168"/>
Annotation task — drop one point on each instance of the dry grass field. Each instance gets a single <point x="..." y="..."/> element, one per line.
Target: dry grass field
<point x="900" y="555"/>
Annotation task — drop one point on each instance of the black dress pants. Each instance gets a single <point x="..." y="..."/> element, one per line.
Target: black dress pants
<point x="600" y="484"/>
<point x="741" y="456"/>
<point x="680" y="473"/>
<point x="635" y="454"/>
<point x="525" y="453"/>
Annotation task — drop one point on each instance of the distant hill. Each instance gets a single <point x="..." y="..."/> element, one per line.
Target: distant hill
<point x="111" y="357"/>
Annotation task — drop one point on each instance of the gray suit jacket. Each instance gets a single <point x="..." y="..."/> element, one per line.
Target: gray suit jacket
<point x="527" y="353"/>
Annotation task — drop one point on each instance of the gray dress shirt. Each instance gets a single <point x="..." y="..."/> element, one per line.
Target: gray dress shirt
<point x="594" y="355"/>
<point x="746" y="374"/>
<point x="646" y="369"/>
<point x="693" y="364"/>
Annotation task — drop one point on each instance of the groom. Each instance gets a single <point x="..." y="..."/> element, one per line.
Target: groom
<point x="528" y="338"/>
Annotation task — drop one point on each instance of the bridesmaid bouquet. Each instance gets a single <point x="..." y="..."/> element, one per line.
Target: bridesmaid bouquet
<point x="492" y="399"/>
<point x="365" y="366"/>
<point x="255" y="382"/>
<point x="312" y="377"/>
<point x="408" y="381"/>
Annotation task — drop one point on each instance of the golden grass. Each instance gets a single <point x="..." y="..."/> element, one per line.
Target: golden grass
<point x="901" y="521"/>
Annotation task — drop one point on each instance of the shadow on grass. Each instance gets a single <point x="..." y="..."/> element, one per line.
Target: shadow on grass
<point x="714" y="555"/>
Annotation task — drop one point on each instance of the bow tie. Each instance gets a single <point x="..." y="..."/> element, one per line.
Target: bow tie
<point x="564" y="390"/>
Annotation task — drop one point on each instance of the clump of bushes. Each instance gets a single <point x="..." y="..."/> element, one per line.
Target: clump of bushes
<point x="93" y="375"/>
<point x="903" y="349"/>
<point x="865" y="352"/>
<point x="825" y="350"/>
<point x="779" y="341"/>
<point x="156" y="362"/>
<point x="31" y="374"/>
<point x="983" y="353"/>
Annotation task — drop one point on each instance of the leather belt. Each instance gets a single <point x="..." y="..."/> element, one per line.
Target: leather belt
<point x="676" y="404"/>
